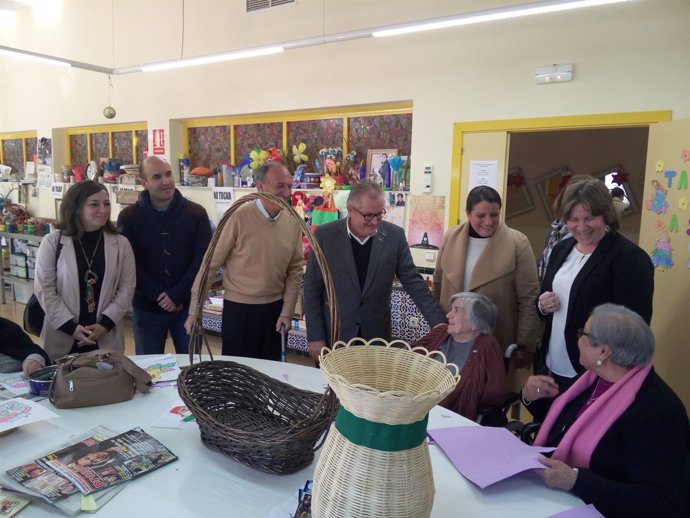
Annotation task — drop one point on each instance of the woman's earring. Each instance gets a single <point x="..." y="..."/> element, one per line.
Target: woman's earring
<point x="607" y="229"/>
<point x="599" y="363"/>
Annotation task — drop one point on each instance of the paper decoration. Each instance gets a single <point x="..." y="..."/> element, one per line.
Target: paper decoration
<point x="682" y="181"/>
<point x="19" y="411"/>
<point x="685" y="155"/>
<point x="661" y="255"/>
<point x="658" y="202"/>
<point x="178" y="416"/>
<point x="683" y="203"/>
<point x="161" y="368"/>
<point x="660" y="166"/>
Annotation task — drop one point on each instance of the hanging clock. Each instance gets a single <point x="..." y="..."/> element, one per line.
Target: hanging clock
<point x="92" y="170"/>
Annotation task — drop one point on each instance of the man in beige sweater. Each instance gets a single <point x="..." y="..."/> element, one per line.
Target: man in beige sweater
<point x="261" y="252"/>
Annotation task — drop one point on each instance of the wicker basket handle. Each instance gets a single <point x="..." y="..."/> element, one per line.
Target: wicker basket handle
<point x="198" y="336"/>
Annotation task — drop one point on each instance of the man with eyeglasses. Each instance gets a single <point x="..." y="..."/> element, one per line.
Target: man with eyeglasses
<point x="364" y="255"/>
<point x="169" y="235"/>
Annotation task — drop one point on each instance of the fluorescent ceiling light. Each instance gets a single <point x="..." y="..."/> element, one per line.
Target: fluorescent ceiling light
<point x="548" y="6"/>
<point x="491" y="15"/>
<point x="214" y="58"/>
<point x="32" y="56"/>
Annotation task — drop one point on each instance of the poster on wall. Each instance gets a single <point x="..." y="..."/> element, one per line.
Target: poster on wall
<point x="159" y="141"/>
<point x="223" y="198"/>
<point x="425" y="226"/>
<point x="57" y="189"/>
<point x="483" y="172"/>
<point x="395" y="208"/>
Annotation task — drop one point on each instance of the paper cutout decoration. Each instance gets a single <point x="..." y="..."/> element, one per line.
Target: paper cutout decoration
<point x="682" y="181"/>
<point x="620" y="177"/>
<point x="661" y="255"/>
<point x="669" y="175"/>
<point x="298" y="153"/>
<point x="683" y="203"/>
<point x="660" y="166"/>
<point x="658" y="203"/>
<point x="673" y="225"/>
<point x="685" y="155"/>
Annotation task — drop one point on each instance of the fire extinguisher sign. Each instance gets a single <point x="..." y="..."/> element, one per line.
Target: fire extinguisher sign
<point x="159" y="142"/>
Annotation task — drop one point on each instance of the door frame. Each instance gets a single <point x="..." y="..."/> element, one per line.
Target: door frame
<point x="568" y="122"/>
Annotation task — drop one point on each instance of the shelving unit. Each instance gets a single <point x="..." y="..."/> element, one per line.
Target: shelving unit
<point x="5" y="275"/>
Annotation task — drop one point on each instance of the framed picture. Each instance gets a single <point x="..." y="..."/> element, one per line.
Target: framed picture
<point x="518" y="198"/>
<point x="622" y="194"/>
<point x="549" y="186"/>
<point x="378" y="167"/>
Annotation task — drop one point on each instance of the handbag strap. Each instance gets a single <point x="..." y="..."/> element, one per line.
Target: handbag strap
<point x="142" y="379"/>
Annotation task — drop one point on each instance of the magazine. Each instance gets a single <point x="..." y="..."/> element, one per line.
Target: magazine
<point x="73" y="505"/>
<point x="93" y="464"/>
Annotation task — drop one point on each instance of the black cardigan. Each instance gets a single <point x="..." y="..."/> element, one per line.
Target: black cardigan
<point x="638" y="467"/>
<point x="618" y="271"/>
<point x="16" y="343"/>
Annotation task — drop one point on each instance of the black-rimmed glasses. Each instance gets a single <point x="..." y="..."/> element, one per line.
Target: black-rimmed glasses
<point x="369" y="217"/>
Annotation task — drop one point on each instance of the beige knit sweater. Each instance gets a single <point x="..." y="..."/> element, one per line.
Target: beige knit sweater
<point x="262" y="260"/>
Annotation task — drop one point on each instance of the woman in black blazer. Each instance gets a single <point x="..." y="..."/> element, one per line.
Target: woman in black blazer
<point x="594" y="266"/>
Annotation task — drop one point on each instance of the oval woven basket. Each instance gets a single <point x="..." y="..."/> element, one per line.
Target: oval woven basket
<point x="262" y="422"/>
<point x="386" y="387"/>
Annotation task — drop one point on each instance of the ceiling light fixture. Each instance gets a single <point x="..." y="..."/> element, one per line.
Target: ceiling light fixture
<point x="491" y="15"/>
<point x="549" y="6"/>
<point x="213" y="58"/>
<point x="33" y="56"/>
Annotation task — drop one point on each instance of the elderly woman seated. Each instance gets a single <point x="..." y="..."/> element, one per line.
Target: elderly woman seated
<point x="621" y="434"/>
<point x="467" y="341"/>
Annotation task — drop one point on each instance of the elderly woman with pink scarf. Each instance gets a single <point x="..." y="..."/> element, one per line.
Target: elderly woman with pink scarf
<point x="621" y="434"/>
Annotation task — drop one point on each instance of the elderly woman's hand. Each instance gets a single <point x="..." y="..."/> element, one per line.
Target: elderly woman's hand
<point x="548" y="302"/>
<point x="537" y="387"/>
<point x="557" y="475"/>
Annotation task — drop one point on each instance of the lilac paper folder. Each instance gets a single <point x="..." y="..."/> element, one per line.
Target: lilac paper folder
<point x="486" y="455"/>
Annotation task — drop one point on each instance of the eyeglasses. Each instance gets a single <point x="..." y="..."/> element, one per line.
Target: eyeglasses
<point x="581" y="333"/>
<point x="369" y="217"/>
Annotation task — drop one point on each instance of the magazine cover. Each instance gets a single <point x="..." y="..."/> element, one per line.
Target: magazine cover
<point x="72" y="504"/>
<point x="93" y="464"/>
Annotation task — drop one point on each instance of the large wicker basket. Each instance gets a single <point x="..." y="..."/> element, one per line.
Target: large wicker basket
<point x="375" y="461"/>
<point x="248" y="416"/>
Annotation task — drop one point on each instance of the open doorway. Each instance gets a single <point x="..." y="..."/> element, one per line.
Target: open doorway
<point x="541" y="162"/>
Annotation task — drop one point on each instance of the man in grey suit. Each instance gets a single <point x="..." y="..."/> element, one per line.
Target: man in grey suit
<point x="364" y="255"/>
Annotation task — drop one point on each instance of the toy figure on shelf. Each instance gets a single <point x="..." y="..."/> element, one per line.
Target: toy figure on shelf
<point x="661" y="255"/>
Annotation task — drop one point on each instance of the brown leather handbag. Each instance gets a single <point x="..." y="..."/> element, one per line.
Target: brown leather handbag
<point x="96" y="378"/>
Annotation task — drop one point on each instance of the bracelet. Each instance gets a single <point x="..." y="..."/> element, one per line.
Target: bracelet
<point x="525" y="402"/>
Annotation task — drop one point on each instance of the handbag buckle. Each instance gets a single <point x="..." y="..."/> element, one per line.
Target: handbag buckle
<point x="70" y="383"/>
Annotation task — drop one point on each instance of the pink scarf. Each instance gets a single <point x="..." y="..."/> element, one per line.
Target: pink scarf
<point x="578" y="443"/>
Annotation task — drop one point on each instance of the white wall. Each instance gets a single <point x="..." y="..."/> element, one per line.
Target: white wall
<point x="627" y="57"/>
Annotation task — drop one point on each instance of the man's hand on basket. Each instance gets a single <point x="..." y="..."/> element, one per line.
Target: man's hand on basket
<point x="189" y="324"/>
<point x="315" y="349"/>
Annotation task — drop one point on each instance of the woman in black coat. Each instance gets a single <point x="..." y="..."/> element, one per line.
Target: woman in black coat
<point x="594" y="266"/>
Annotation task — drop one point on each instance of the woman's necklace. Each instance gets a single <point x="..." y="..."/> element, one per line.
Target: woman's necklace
<point x="90" y="277"/>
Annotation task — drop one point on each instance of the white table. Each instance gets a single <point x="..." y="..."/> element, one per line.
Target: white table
<point x="204" y="483"/>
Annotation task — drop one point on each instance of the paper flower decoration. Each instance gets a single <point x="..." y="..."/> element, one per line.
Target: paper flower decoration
<point x="659" y="166"/>
<point x="331" y="166"/>
<point x="683" y="203"/>
<point x="258" y="158"/>
<point x="275" y="155"/>
<point x="298" y="155"/>
<point x="685" y="155"/>
<point x="327" y="183"/>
